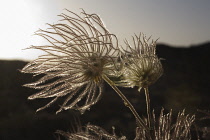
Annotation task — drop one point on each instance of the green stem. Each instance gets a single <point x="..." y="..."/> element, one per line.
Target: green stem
<point x="126" y="102"/>
<point x="148" y="106"/>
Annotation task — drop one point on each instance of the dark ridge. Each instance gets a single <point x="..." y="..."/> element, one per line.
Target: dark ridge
<point x="184" y="85"/>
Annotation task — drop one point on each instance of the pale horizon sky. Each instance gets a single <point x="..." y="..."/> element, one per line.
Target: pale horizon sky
<point x="174" y="22"/>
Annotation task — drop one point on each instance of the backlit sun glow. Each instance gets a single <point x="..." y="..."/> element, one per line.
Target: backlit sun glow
<point x="17" y="27"/>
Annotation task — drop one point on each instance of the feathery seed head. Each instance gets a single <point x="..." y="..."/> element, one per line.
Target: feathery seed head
<point x="80" y="51"/>
<point x="141" y="65"/>
<point x="91" y="132"/>
<point x="165" y="128"/>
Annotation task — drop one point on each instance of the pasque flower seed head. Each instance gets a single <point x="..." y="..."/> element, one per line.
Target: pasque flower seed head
<point x="142" y="67"/>
<point x="80" y="51"/>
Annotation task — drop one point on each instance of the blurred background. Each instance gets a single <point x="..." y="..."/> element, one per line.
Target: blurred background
<point x="184" y="34"/>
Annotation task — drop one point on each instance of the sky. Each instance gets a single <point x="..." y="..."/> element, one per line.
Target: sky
<point x="174" y="22"/>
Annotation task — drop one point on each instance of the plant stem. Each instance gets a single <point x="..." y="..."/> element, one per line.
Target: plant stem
<point x="146" y="91"/>
<point x="126" y="102"/>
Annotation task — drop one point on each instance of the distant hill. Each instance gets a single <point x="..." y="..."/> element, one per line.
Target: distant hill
<point x="186" y="73"/>
<point x="184" y="84"/>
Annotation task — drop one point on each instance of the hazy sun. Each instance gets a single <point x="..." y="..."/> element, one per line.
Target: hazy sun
<point x="18" y="23"/>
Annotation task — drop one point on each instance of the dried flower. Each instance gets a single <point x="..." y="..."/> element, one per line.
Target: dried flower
<point x="141" y="64"/>
<point x="164" y="128"/>
<point x="80" y="51"/>
<point x="91" y="132"/>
